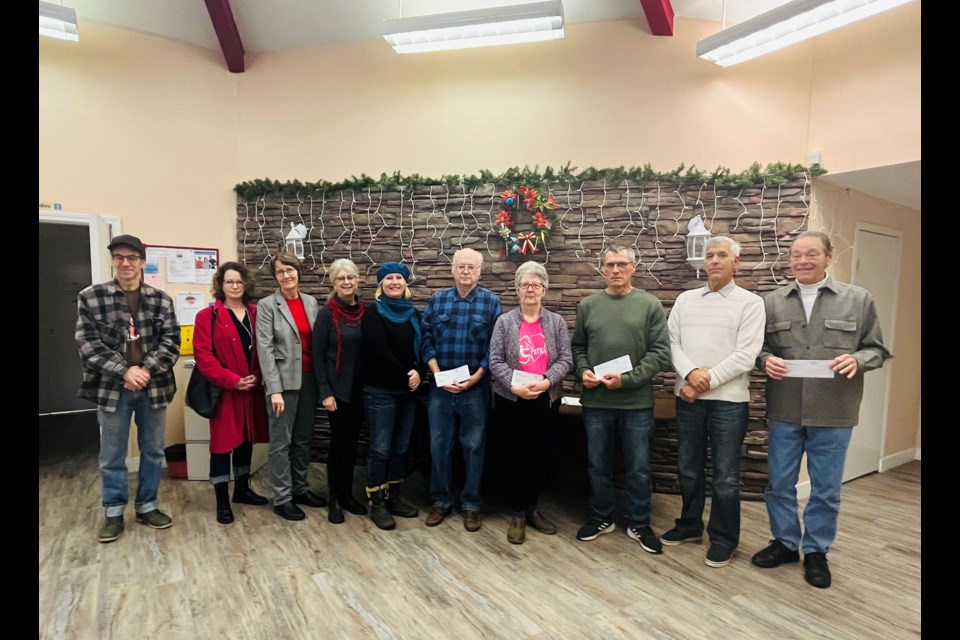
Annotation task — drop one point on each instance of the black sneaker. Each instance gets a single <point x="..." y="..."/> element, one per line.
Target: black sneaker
<point x="593" y="529"/>
<point x="675" y="536"/>
<point x="718" y="556"/>
<point x="774" y="555"/>
<point x="649" y="542"/>
<point x="815" y="569"/>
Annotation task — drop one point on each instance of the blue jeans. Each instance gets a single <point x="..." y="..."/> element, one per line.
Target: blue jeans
<point x="114" y="436"/>
<point x="826" y="449"/>
<point x="471" y="406"/>
<point x="724" y="424"/>
<point x="390" y="422"/>
<point x="634" y="427"/>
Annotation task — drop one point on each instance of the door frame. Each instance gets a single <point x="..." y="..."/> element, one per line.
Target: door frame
<point x="887" y="339"/>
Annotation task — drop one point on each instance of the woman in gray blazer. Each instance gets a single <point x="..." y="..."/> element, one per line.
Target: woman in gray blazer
<point x="529" y="356"/>
<point x="284" y="346"/>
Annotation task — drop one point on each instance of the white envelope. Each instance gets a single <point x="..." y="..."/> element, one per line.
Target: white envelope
<point x="524" y="377"/>
<point x="809" y="369"/>
<point x="617" y="365"/>
<point x="451" y="376"/>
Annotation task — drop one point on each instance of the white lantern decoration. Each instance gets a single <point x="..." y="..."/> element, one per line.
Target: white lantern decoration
<point x="294" y="240"/>
<point x="697" y="236"/>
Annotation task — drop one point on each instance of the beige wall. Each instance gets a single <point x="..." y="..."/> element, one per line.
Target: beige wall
<point x="865" y="96"/>
<point x="838" y="211"/>
<point x="158" y="133"/>
<point x="608" y="94"/>
<point x="141" y="128"/>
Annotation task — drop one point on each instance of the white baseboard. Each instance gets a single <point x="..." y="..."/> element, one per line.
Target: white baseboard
<point x="803" y="490"/>
<point x="897" y="459"/>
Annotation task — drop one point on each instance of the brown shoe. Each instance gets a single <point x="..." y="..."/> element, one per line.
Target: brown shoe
<point x="471" y="520"/>
<point x="436" y="515"/>
<point x="517" y="531"/>
<point x="536" y="520"/>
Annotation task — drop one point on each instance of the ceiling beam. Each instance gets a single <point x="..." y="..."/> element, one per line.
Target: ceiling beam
<point x="226" y="29"/>
<point x="659" y="16"/>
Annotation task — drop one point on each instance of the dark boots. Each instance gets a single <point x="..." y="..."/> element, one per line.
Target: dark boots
<point x="242" y="493"/>
<point x="396" y="505"/>
<point x="345" y="492"/>
<point x="224" y="512"/>
<point x="334" y="511"/>
<point x="378" y="508"/>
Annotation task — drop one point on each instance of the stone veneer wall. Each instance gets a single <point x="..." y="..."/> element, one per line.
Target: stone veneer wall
<point x="424" y="227"/>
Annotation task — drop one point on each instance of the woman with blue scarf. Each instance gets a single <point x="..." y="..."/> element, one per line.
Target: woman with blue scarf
<point x="391" y="376"/>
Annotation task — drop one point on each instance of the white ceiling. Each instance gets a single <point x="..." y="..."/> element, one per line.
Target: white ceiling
<point x="273" y="25"/>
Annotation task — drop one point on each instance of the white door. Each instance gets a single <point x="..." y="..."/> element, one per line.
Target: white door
<point x="876" y="268"/>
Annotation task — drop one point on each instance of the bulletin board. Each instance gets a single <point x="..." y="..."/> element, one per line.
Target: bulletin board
<point x="186" y="274"/>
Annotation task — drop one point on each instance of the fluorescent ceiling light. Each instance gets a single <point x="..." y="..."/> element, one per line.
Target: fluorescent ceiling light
<point x="532" y="22"/>
<point x="787" y="24"/>
<point x="58" y="21"/>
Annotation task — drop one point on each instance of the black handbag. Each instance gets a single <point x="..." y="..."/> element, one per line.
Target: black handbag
<point x="202" y="395"/>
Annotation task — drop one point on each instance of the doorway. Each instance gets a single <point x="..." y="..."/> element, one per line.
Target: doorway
<point x="876" y="268"/>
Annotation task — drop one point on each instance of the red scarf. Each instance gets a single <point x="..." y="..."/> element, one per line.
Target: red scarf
<point x="348" y="315"/>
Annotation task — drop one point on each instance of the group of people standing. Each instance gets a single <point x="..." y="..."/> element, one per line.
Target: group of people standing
<point x="278" y="360"/>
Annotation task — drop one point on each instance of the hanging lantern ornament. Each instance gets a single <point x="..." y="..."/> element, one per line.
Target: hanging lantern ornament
<point x="697" y="236"/>
<point x="294" y="240"/>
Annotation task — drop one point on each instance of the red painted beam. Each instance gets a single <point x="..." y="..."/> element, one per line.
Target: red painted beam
<point x="659" y="16"/>
<point x="226" y="28"/>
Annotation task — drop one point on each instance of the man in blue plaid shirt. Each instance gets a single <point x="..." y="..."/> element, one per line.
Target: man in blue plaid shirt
<point x="129" y="340"/>
<point x="456" y="328"/>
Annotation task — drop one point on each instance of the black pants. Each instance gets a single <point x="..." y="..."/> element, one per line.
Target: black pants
<point x="345" y="424"/>
<point x="220" y="462"/>
<point x="524" y="429"/>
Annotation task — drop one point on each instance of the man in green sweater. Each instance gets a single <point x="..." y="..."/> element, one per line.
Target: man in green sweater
<point x="618" y="324"/>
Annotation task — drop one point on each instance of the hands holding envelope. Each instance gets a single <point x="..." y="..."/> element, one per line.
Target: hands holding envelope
<point x="607" y="373"/>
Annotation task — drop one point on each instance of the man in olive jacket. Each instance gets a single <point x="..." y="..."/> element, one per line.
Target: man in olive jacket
<point x="813" y="318"/>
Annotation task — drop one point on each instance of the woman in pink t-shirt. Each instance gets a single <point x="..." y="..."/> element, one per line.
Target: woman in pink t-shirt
<point x="529" y="356"/>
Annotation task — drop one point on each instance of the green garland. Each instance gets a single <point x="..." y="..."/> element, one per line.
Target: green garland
<point x="775" y="174"/>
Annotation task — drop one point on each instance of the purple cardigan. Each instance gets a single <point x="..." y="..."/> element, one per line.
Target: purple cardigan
<point x="505" y="351"/>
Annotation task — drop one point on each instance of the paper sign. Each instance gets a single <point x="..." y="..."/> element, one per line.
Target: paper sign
<point x="188" y="305"/>
<point x="451" y="376"/>
<point x="809" y="369"/>
<point x="617" y="365"/>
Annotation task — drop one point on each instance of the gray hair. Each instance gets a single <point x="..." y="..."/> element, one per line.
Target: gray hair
<point x="467" y="251"/>
<point x="617" y="248"/>
<point x="820" y="235"/>
<point x="535" y="268"/>
<point x="339" y="266"/>
<point x="734" y="245"/>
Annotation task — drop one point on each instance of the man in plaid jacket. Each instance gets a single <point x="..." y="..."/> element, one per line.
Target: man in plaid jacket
<point x="129" y="339"/>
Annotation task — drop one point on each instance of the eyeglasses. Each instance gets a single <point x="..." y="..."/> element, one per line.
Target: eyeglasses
<point x="283" y="273"/>
<point x="233" y="283"/>
<point x="120" y="259"/>
<point x="466" y="267"/>
<point x="536" y="286"/>
<point x="342" y="279"/>
<point x="617" y="265"/>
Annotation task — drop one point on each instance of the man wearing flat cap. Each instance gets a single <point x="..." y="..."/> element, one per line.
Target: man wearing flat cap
<point x="129" y="339"/>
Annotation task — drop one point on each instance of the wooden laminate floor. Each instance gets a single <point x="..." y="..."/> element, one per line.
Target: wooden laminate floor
<point x="264" y="577"/>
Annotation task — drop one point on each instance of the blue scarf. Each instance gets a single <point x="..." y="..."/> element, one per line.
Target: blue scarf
<point x="398" y="311"/>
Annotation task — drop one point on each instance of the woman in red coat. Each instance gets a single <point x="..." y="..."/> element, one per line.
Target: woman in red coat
<point x="228" y="358"/>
